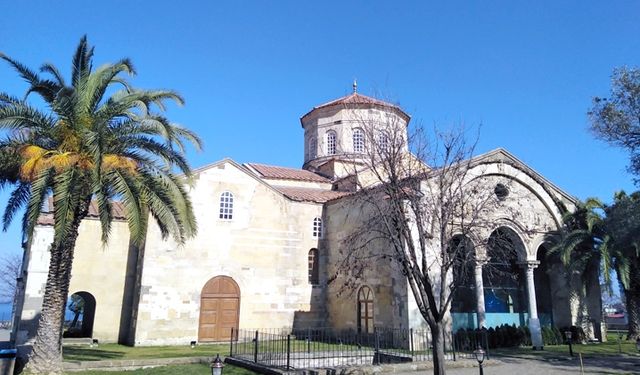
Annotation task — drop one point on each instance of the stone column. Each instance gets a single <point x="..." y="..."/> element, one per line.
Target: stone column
<point x="482" y="322"/>
<point x="534" y="322"/>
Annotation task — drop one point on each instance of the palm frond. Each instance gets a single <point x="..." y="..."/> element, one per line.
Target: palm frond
<point x="65" y="202"/>
<point x="39" y="193"/>
<point x="20" y="116"/>
<point x="18" y="199"/>
<point x="126" y="187"/>
<point x="81" y="64"/>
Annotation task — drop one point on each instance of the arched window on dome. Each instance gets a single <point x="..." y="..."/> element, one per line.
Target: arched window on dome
<point x="226" y="206"/>
<point x="331" y="142"/>
<point x="313" y="147"/>
<point x="317" y="227"/>
<point x="358" y="141"/>
<point x="383" y="142"/>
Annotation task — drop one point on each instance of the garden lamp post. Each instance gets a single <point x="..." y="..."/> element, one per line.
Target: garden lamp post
<point x="638" y="344"/>
<point x="217" y="366"/>
<point x="480" y="358"/>
<point x="568" y="335"/>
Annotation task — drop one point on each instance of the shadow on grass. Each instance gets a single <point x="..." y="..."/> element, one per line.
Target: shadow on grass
<point x="79" y="353"/>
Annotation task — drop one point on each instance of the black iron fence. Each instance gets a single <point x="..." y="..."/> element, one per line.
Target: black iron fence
<point x="322" y="348"/>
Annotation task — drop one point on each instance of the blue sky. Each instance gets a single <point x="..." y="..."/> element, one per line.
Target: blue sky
<point x="525" y="71"/>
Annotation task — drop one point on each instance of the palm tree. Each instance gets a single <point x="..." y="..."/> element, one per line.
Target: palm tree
<point x="586" y="252"/>
<point x="98" y="139"/>
<point x="584" y="245"/>
<point x="623" y="222"/>
<point x="590" y="246"/>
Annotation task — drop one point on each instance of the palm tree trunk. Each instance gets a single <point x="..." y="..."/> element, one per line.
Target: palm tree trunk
<point x="632" y="296"/>
<point x="633" y="314"/>
<point x="46" y="356"/>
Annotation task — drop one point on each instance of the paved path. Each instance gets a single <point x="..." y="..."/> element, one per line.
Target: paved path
<point x="549" y="366"/>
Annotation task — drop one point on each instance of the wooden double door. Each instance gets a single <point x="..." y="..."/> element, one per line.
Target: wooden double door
<point x="219" y="309"/>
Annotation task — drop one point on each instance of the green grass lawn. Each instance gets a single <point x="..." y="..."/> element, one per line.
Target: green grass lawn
<point x="592" y="349"/>
<point x="196" y="369"/>
<point x="115" y="351"/>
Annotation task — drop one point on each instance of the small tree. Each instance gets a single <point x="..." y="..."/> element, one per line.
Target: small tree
<point x="10" y="271"/>
<point x="422" y="212"/>
<point x="76" y="306"/>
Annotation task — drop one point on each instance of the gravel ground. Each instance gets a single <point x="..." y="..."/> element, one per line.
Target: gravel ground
<point x="548" y="366"/>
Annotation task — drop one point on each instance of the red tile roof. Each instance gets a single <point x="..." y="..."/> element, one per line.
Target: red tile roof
<point x="283" y="173"/>
<point x="309" y="194"/>
<point x="356" y="98"/>
<point x="46" y="218"/>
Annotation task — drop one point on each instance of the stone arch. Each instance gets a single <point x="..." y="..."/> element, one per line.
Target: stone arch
<point x="521" y="174"/>
<point x="219" y="309"/>
<point x="503" y="279"/>
<point x="83" y="306"/>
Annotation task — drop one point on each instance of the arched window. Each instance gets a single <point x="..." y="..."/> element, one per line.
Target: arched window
<point x="226" y="206"/>
<point x="331" y="142"/>
<point x="365" y="310"/>
<point x="383" y="142"/>
<point x="313" y="267"/>
<point x="317" y="227"/>
<point x="358" y="141"/>
<point x="313" y="147"/>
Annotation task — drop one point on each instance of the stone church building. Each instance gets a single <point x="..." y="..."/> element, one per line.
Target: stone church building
<point x="267" y="236"/>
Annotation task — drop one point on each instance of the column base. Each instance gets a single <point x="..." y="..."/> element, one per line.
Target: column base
<point x="536" y="334"/>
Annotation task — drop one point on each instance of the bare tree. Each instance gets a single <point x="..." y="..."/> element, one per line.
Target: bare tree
<point x="424" y="209"/>
<point x="10" y="271"/>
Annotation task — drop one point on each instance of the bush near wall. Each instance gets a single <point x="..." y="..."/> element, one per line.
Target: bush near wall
<point x="508" y="336"/>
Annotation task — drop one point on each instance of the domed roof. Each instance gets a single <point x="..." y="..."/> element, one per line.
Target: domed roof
<point x="356" y="99"/>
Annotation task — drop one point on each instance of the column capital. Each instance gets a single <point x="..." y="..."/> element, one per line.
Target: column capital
<point x="481" y="260"/>
<point x="529" y="264"/>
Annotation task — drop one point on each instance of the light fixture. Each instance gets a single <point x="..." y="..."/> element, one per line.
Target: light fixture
<point x="638" y="344"/>
<point x="94" y="343"/>
<point x="479" y="353"/>
<point x="568" y="334"/>
<point x="192" y="344"/>
<point x="217" y="366"/>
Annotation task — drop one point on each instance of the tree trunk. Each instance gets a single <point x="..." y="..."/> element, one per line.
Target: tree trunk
<point x="632" y="299"/>
<point x="633" y="313"/>
<point x="46" y="356"/>
<point x="437" y="338"/>
<point x="76" y="316"/>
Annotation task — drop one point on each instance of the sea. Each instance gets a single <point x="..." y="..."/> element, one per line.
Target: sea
<point x="5" y="311"/>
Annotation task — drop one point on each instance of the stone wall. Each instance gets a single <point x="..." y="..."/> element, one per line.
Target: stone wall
<point x="264" y="248"/>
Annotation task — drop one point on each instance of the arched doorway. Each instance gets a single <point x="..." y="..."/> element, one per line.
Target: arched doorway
<point x="503" y="280"/>
<point x="80" y="315"/>
<point x="365" y="310"/>
<point x="219" y="309"/>
<point x="463" y="302"/>
<point x="544" y="300"/>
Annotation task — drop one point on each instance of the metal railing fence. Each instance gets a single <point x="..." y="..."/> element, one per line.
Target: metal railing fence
<point x="324" y="348"/>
